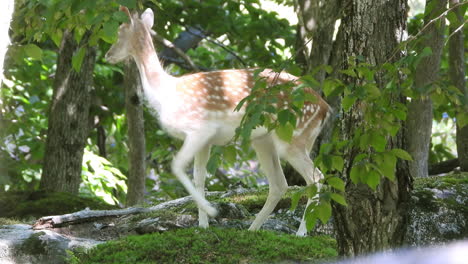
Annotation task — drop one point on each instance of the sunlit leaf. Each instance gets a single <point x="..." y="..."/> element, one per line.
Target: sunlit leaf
<point x="372" y="179"/>
<point x="402" y="154"/>
<point x="230" y="154"/>
<point x="295" y="197"/>
<point x="336" y="183"/>
<point x="338" y="198"/>
<point x="77" y="59"/>
<point x="33" y="51"/>
<point x="285" y="132"/>
<point x="324" y="211"/>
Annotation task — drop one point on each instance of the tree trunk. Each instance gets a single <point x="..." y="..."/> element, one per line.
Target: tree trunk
<point x="373" y="220"/>
<point x="317" y="24"/>
<point x="314" y="45"/>
<point x="136" y="135"/>
<point x="457" y="74"/>
<point x="5" y="19"/>
<point x="68" y="118"/>
<point x="419" y="119"/>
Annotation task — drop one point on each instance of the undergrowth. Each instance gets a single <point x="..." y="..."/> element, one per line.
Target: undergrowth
<point x="213" y="245"/>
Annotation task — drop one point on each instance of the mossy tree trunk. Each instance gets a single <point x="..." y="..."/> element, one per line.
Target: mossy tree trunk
<point x="373" y="220"/>
<point x="419" y="118"/>
<point x="457" y="72"/>
<point x="68" y="125"/>
<point x="136" y="135"/>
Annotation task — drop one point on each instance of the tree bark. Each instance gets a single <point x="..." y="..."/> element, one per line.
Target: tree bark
<point x="373" y="220"/>
<point x="68" y="118"/>
<point x="419" y="118"/>
<point x="457" y="72"/>
<point x="314" y="45"/>
<point x="317" y="24"/>
<point x="136" y="135"/>
<point x="5" y="19"/>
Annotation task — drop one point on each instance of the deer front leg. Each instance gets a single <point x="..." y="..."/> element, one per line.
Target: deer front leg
<point x="193" y="144"/>
<point x="270" y="164"/>
<point x="199" y="177"/>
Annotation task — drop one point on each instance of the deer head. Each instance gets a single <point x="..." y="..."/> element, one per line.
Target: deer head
<point x="131" y="36"/>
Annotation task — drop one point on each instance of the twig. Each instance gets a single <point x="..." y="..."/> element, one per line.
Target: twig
<point x="217" y="43"/>
<point x="411" y="38"/>
<point x="455" y="31"/>
<point x="179" y="52"/>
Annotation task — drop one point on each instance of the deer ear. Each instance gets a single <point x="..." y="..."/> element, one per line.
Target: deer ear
<point x="148" y="18"/>
<point x="127" y="12"/>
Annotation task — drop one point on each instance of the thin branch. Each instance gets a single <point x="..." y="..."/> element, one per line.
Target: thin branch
<point x="412" y="38"/>
<point x="219" y="44"/>
<point x="455" y="31"/>
<point x="179" y="52"/>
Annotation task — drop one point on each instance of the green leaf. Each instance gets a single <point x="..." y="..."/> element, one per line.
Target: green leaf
<point x="372" y="90"/>
<point x="336" y="183"/>
<point x="57" y="37"/>
<point x="77" y="59"/>
<point x="213" y="163"/>
<point x="33" y="51"/>
<point x="338" y="198"/>
<point x="349" y="72"/>
<point x="348" y="101"/>
<point x="311" y="191"/>
<point x="109" y="31"/>
<point x="402" y="154"/>
<point x="337" y="163"/>
<point x="400" y="114"/>
<point x="283" y="117"/>
<point x="378" y="142"/>
<point x="295" y="197"/>
<point x="323" y="211"/>
<point x="311" y="219"/>
<point x="230" y="154"/>
<point x="285" y="132"/>
<point x="328" y="87"/>
<point x="387" y="164"/>
<point x="427" y="51"/>
<point x="462" y="119"/>
<point x="372" y="179"/>
<point x="357" y="172"/>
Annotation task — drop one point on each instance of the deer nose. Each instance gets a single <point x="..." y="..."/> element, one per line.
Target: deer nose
<point x="108" y="57"/>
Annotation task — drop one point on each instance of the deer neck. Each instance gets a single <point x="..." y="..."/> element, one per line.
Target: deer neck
<point x="153" y="77"/>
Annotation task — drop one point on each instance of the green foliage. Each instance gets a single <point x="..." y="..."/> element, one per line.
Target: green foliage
<point x="101" y="179"/>
<point x="213" y="245"/>
<point x="25" y="101"/>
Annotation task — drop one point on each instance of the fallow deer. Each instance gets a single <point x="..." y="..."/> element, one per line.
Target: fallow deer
<point x="199" y="109"/>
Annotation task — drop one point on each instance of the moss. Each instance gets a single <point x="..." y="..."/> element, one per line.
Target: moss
<point x="454" y="183"/>
<point x="254" y="201"/>
<point x="441" y="181"/>
<point x="23" y="205"/>
<point x="9" y="221"/>
<point x="34" y="245"/>
<point x="212" y="245"/>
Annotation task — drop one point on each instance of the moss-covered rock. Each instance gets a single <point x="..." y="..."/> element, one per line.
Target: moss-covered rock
<point x="22" y="205"/>
<point x="214" y="245"/>
<point x="439" y="210"/>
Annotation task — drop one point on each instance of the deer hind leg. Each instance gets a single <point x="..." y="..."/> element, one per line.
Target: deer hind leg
<point x="270" y="164"/>
<point x="302" y="163"/>
<point x="199" y="176"/>
<point x="193" y="144"/>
